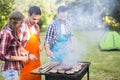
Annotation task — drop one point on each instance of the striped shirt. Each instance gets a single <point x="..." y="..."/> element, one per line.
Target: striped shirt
<point x="9" y="47"/>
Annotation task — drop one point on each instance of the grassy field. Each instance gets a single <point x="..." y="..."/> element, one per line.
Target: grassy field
<point x="105" y="65"/>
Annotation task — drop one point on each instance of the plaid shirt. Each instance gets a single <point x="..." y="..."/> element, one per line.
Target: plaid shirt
<point x="54" y="31"/>
<point x="24" y="32"/>
<point x="9" y="47"/>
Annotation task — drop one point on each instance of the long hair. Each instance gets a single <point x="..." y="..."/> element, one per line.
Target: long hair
<point x="14" y="18"/>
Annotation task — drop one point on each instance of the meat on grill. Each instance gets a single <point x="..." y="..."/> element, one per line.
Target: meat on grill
<point x="64" y="68"/>
<point x="53" y="70"/>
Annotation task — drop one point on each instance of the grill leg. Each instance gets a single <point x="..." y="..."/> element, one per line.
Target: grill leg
<point x="88" y="73"/>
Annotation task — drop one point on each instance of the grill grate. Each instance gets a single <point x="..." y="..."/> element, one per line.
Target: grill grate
<point x="44" y="70"/>
<point x="76" y="76"/>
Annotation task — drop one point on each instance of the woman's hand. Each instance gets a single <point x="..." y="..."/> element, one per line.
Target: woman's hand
<point x="23" y="51"/>
<point x="24" y="59"/>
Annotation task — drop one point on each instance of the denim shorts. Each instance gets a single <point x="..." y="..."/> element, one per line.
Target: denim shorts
<point x="10" y="74"/>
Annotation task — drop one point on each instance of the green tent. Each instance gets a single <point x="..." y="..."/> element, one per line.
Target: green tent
<point x="110" y="41"/>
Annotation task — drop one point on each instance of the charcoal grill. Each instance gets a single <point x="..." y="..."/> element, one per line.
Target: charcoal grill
<point x="44" y="70"/>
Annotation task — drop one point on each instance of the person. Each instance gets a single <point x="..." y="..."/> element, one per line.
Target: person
<point x="58" y="36"/>
<point x="10" y="54"/>
<point x="30" y="40"/>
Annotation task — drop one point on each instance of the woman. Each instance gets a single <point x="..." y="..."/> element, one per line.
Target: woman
<point x="10" y="47"/>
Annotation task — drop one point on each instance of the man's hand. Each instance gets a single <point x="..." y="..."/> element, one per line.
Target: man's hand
<point x="24" y="53"/>
<point x="41" y="48"/>
<point x="33" y="57"/>
<point x="49" y="53"/>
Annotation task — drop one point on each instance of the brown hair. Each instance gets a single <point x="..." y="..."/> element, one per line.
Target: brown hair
<point x="62" y="9"/>
<point x="34" y="10"/>
<point x="14" y="17"/>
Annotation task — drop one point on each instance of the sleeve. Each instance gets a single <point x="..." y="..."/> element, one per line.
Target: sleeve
<point x="49" y="34"/>
<point x="4" y="45"/>
<point x="23" y="34"/>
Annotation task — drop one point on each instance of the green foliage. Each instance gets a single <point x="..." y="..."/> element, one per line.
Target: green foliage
<point x="116" y="11"/>
<point x="42" y="21"/>
<point x="6" y="6"/>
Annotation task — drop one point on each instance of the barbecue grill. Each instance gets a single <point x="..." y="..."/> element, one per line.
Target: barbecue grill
<point x="46" y="69"/>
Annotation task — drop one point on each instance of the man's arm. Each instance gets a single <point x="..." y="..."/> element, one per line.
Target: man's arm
<point x="48" y="51"/>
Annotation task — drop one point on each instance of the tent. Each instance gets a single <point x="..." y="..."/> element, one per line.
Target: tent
<point x="110" y="41"/>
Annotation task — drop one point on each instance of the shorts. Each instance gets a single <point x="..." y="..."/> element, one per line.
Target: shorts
<point x="10" y="74"/>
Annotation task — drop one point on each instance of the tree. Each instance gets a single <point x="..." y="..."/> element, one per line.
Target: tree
<point x="116" y="11"/>
<point x="6" y="6"/>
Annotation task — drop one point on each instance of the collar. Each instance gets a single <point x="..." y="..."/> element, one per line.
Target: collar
<point x="30" y="25"/>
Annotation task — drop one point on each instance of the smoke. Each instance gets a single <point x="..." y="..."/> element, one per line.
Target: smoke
<point x="88" y="14"/>
<point x="76" y="50"/>
<point x="86" y="19"/>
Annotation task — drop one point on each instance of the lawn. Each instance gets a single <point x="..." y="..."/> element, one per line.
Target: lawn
<point x="105" y="65"/>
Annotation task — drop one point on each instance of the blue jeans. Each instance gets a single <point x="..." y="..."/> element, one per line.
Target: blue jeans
<point x="10" y="74"/>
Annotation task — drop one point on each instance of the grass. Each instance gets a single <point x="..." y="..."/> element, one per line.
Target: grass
<point x="105" y="65"/>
